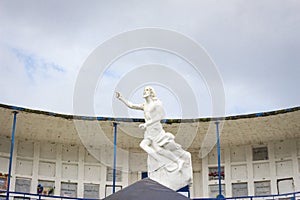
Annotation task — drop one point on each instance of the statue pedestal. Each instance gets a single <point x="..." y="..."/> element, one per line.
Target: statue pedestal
<point x="166" y="172"/>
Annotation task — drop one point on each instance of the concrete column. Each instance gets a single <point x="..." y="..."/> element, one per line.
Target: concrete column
<point x="249" y="159"/>
<point x="197" y="185"/>
<point x="81" y="172"/>
<point x="35" y="168"/>
<point x="58" y="169"/>
<point x="227" y="170"/>
<point x="124" y="178"/>
<point x="272" y="164"/>
<point x="205" y="176"/>
<point x="293" y="143"/>
<point x="103" y="181"/>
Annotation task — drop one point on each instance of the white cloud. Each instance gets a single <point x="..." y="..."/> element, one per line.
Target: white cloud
<point x="255" y="44"/>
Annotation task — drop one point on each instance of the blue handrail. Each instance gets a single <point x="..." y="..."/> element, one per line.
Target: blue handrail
<point x="39" y="196"/>
<point x="291" y="195"/>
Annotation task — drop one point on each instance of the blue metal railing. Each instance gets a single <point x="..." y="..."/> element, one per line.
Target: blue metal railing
<point x="11" y="153"/>
<point x="286" y="196"/>
<point x="23" y="195"/>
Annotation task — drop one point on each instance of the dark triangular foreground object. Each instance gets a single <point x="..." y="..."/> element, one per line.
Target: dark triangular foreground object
<point x="146" y="189"/>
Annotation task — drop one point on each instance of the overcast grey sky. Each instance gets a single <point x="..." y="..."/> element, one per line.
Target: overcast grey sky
<point x="254" y="44"/>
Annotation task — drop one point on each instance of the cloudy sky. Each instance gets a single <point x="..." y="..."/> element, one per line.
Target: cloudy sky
<point x="254" y="44"/>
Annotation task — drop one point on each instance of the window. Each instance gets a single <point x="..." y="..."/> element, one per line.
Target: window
<point x="260" y="153"/>
<point x="47" y="186"/>
<point x="213" y="173"/>
<point x="262" y="188"/>
<point x="214" y="190"/>
<point x="109" y="189"/>
<point x="239" y="189"/>
<point x="91" y="191"/>
<point x="3" y="181"/>
<point x="23" y="185"/>
<point x="109" y="174"/>
<point x="68" y="190"/>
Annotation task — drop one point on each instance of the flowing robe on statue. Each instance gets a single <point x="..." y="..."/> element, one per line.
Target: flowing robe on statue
<point x="163" y="169"/>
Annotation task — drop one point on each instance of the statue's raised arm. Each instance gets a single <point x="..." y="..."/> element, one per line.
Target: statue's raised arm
<point x="128" y="103"/>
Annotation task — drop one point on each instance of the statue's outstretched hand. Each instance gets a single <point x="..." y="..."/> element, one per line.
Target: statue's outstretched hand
<point x="118" y="95"/>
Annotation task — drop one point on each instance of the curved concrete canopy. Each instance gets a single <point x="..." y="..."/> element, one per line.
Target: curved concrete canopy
<point x="238" y="130"/>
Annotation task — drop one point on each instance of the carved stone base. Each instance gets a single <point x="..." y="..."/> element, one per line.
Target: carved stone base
<point x="167" y="173"/>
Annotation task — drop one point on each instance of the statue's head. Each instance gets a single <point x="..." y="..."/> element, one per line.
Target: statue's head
<point x="149" y="91"/>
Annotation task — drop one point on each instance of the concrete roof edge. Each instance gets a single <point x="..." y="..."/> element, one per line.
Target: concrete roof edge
<point x="166" y="121"/>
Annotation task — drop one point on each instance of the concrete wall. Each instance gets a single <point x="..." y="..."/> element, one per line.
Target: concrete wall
<point x="278" y="172"/>
<point x="249" y="170"/>
<point x="70" y="168"/>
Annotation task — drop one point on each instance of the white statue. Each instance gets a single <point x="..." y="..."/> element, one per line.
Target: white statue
<point x="166" y="157"/>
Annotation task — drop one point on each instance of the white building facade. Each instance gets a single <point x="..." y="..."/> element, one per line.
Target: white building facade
<point x="260" y="155"/>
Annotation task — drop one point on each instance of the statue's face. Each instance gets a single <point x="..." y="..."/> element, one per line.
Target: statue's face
<point x="147" y="92"/>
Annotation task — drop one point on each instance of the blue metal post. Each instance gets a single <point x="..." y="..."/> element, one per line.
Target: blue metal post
<point x="115" y="156"/>
<point x="11" y="153"/>
<point x="220" y="196"/>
